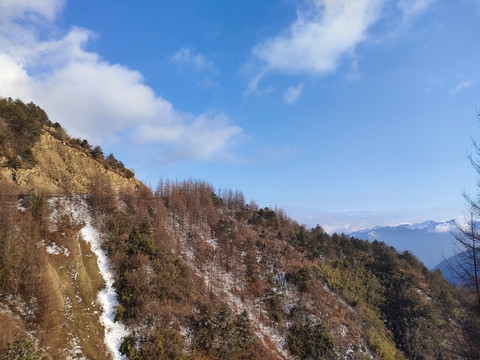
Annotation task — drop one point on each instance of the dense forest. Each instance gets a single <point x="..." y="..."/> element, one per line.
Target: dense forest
<point x="202" y="274"/>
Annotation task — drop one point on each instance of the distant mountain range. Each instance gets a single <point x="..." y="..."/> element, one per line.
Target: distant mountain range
<point x="432" y="242"/>
<point x="445" y="268"/>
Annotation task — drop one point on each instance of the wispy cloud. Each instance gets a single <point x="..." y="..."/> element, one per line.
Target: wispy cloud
<point x="254" y="82"/>
<point x="93" y="98"/>
<point x="31" y="9"/>
<point x="204" y="70"/>
<point x="320" y="36"/>
<point x="461" y="86"/>
<point x="291" y="95"/>
<point x="413" y="8"/>
<point x="191" y="58"/>
<point x="326" y="32"/>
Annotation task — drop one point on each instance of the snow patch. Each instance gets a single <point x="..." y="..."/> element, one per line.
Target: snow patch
<point x="77" y="210"/>
<point x="21" y="206"/>
<point x="74" y="207"/>
<point x="225" y="283"/>
<point x="54" y="249"/>
<point x="281" y="278"/>
<point x="212" y="241"/>
<point x="75" y="351"/>
<point x="114" y="331"/>
<point x="16" y="307"/>
<point x="278" y="340"/>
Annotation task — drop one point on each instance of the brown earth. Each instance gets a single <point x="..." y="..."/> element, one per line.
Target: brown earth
<point x="62" y="169"/>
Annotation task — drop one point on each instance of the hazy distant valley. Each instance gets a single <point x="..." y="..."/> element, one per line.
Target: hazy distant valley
<point x="432" y="242"/>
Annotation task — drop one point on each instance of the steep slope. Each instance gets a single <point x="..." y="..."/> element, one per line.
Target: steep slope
<point x="193" y="274"/>
<point x="49" y="278"/>
<point x="38" y="156"/>
<point x="306" y="294"/>
<point x="60" y="168"/>
<point x="48" y="271"/>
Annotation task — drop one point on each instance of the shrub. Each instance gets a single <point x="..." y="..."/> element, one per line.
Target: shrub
<point x="303" y="279"/>
<point x="25" y="121"/>
<point x="128" y="173"/>
<point x="310" y="341"/>
<point x="223" y="334"/>
<point x="28" y="157"/>
<point x="20" y="127"/>
<point x="24" y="348"/>
<point x="84" y="144"/>
<point x="13" y="161"/>
<point x="97" y="152"/>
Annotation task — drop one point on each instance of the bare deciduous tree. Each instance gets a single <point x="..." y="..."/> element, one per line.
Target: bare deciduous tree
<point x="466" y="265"/>
<point x="467" y="258"/>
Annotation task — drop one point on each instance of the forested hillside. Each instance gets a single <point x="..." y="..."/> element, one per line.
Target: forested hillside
<point x="200" y="273"/>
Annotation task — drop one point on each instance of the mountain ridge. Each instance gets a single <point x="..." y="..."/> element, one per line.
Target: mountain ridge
<point x="197" y="274"/>
<point x="430" y="241"/>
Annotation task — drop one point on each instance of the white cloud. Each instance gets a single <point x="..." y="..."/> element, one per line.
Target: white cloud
<point x="31" y="9"/>
<point x="461" y="86"/>
<point x="254" y="82"/>
<point x="413" y="8"/>
<point x="320" y="36"/>
<point x="188" y="57"/>
<point x="92" y="98"/>
<point x="291" y="95"/>
<point x="193" y="137"/>
<point x="441" y="228"/>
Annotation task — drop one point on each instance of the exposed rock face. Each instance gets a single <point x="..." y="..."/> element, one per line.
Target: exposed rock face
<point x="61" y="169"/>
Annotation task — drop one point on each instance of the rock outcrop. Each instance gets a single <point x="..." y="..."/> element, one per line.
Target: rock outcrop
<point x="61" y="168"/>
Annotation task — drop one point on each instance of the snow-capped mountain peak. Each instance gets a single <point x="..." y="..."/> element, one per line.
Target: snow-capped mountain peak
<point x="430" y="241"/>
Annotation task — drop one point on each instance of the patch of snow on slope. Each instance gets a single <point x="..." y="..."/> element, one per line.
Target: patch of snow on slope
<point x="114" y="331"/>
<point x="54" y="249"/>
<point x="76" y="208"/>
<point x="223" y="283"/>
<point x="21" y="206"/>
<point x="76" y="350"/>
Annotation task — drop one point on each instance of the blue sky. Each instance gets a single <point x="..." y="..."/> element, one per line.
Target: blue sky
<point x="348" y="114"/>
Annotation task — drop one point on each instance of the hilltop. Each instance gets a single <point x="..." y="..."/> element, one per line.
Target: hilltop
<point x="197" y="274"/>
<point x="38" y="156"/>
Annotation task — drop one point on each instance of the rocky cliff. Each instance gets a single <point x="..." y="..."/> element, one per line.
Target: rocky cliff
<point x="60" y="168"/>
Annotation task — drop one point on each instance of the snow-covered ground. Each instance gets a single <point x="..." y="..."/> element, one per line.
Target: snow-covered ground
<point x="114" y="331"/>
<point x="54" y="249"/>
<point x="77" y="209"/>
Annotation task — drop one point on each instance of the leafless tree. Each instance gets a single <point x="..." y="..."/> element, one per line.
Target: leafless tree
<point x="466" y="263"/>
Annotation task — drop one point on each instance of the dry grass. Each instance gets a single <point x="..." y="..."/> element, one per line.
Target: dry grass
<point x="76" y="281"/>
<point x="11" y="327"/>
